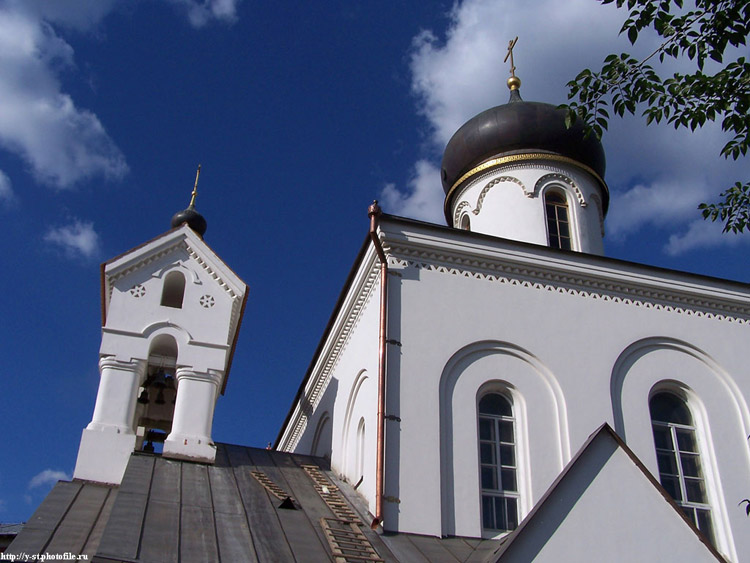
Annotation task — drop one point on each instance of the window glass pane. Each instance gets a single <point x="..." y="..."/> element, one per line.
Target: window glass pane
<point x="495" y="404"/>
<point x="666" y="463"/>
<point x="691" y="465"/>
<point x="487" y="453"/>
<point x="501" y="519"/>
<point x="565" y="243"/>
<point x="512" y="512"/>
<point x="686" y="440"/>
<point x="666" y="407"/>
<point x="506" y="431"/>
<point x="562" y="214"/>
<point x="705" y="524"/>
<point x="488" y="513"/>
<point x="489" y="478"/>
<point x="695" y="490"/>
<point x="663" y="437"/>
<point x="508" y="477"/>
<point x="672" y="486"/>
<point x="508" y="456"/>
<point x="486" y="429"/>
<point x="690" y="513"/>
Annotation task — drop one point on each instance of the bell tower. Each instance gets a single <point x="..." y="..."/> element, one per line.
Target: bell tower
<point x="171" y="313"/>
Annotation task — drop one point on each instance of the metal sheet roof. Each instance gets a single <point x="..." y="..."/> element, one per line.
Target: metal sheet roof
<point x="251" y="505"/>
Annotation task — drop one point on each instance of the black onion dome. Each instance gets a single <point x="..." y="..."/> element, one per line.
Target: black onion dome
<point x="194" y="220"/>
<point x="518" y="128"/>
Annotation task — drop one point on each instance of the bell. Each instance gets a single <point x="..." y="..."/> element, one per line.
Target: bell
<point x="148" y="447"/>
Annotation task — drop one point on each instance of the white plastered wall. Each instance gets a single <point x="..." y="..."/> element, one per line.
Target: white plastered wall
<point x="350" y="395"/>
<point x="469" y="312"/>
<point x="568" y="340"/>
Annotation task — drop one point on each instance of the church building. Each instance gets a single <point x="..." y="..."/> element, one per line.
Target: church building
<point x="492" y="390"/>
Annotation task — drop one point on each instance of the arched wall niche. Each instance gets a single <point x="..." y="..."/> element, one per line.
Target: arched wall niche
<point x="657" y="364"/>
<point x="541" y="422"/>
<point x="173" y="290"/>
<point x="321" y="444"/>
<point x="361" y="448"/>
<point x="355" y="411"/>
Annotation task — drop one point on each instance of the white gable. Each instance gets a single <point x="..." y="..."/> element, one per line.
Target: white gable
<point x="606" y="507"/>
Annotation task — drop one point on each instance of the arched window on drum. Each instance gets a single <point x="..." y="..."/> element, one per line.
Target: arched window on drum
<point x="558" y="220"/>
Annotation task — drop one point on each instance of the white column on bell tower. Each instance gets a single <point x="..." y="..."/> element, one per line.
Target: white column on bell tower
<point x="190" y="437"/>
<point x="109" y="439"/>
<point x="115" y="400"/>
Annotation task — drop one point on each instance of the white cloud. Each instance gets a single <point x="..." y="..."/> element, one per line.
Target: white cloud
<point x="201" y="12"/>
<point x="702" y="234"/>
<point x="78" y="14"/>
<point x="48" y="477"/>
<point x="423" y="197"/>
<point x="657" y="176"/>
<point x="61" y="143"/>
<point x="78" y="239"/>
<point x="6" y="188"/>
<point x="666" y="203"/>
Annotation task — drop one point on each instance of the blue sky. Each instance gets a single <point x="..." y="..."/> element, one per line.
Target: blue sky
<point x="301" y="114"/>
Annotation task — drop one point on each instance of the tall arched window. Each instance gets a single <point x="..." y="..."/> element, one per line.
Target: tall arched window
<point x="680" y="467"/>
<point x="174" y="290"/>
<point x="497" y="459"/>
<point x="558" y="220"/>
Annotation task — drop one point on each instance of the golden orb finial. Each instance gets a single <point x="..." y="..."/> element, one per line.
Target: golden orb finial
<point x="514" y="83"/>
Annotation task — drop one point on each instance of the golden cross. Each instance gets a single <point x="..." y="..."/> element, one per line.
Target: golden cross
<point x="511" y="44"/>
<point x="195" y="187"/>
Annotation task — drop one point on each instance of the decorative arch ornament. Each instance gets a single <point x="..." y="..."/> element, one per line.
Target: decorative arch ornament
<point x="639" y="349"/>
<point x="554" y="178"/>
<point x="483" y="194"/>
<point x="661" y="363"/>
<point x="541" y="413"/>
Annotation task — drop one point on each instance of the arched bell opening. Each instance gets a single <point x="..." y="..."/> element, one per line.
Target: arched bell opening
<point x="157" y="396"/>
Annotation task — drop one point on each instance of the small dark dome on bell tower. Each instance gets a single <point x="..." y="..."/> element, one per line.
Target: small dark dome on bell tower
<point x="194" y="220"/>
